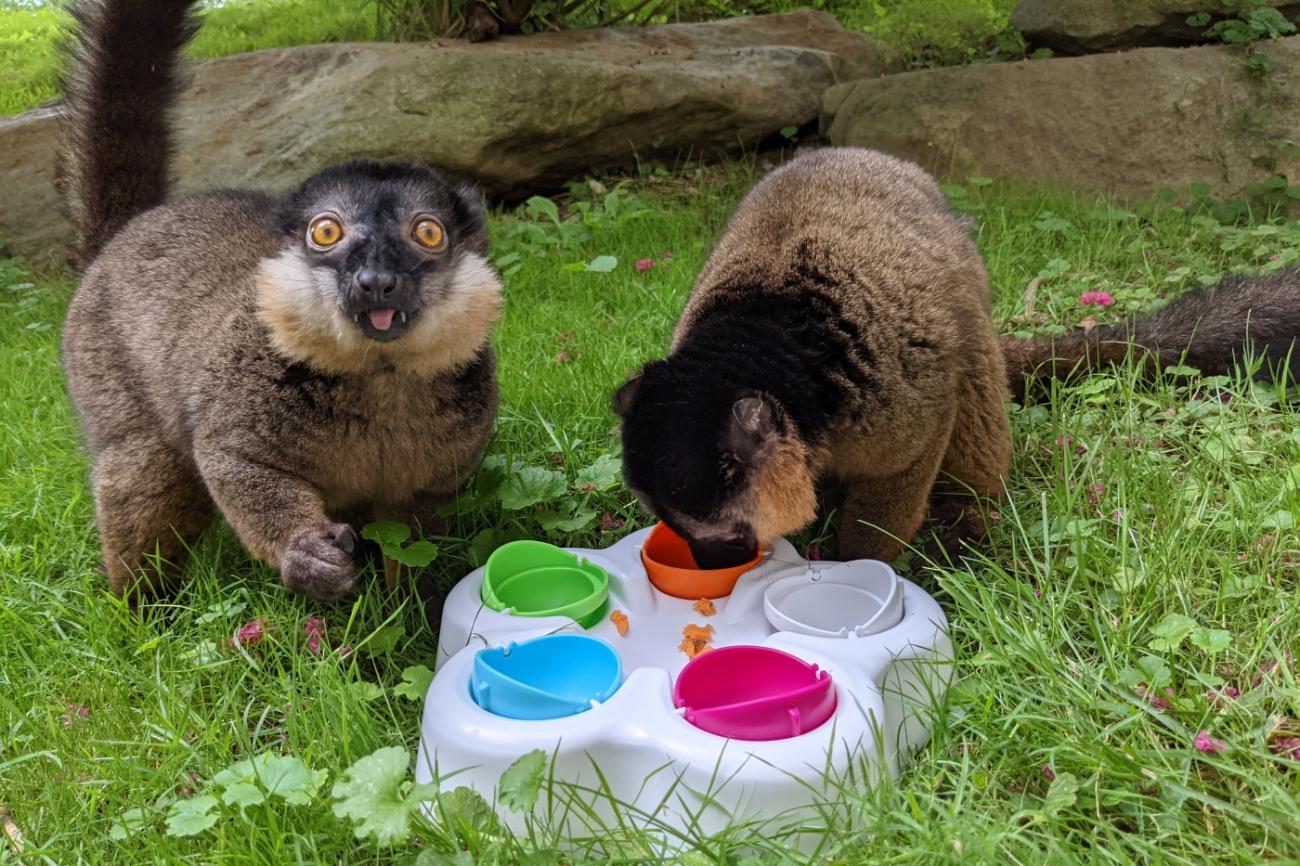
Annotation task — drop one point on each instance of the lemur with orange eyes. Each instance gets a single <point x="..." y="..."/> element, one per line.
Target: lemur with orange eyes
<point x="842" y="328"/>
<point x="301" y="363"/>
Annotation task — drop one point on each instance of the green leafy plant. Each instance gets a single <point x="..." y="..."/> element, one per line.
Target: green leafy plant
<point x="383" y="804"/>
<point x="378" y="798"/>
<point x="415" y="683"/>
<point x="521" y="783"/>
<point x="391" y="538"/>
<point x="537" y="229"/>
<point x="531" y="497"/>
<point x="253" y="782"/>
<point x="1252" y="23"/>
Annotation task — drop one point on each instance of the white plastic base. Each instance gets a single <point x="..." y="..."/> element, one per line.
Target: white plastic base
<point x="662" y="770"/>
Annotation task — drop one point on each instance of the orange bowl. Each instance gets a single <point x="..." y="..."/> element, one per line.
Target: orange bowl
<point x="671" y="568"/>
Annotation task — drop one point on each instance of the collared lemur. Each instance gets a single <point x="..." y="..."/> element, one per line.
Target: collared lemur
<point x="300" y="362"/>
<point x="842" y="328"/>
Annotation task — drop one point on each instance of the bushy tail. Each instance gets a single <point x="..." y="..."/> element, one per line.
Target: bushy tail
<point x="121" y="81"/>
<point x="1212" y="329"/>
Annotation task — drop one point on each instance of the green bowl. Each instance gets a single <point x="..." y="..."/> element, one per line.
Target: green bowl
<point x="533" y="578"/>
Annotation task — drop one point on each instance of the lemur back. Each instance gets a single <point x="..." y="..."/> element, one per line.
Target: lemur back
<point x="842" y="328"/>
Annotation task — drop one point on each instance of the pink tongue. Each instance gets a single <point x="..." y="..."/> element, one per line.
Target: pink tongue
<point x="381" y="319"/>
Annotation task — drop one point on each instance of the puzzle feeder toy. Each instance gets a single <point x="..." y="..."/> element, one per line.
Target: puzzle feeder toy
<point x="701" y="698"/>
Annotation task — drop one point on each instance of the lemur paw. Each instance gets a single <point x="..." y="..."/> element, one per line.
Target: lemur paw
<point x="318" y="563"/>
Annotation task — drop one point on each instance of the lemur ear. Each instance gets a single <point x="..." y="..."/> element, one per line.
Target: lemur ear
<point x="471" y="212"/>
<point x="625" y="396"/>
<point x="752" y="427"/>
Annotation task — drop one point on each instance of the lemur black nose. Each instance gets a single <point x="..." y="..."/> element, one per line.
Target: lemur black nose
<point x="375" y="285"/>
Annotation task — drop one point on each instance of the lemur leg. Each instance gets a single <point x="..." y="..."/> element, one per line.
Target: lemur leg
<point x="978" y="456"/>
<point x="148" y="503"/>
<point x="881" y="515"/>
<point x="281" y="519"/>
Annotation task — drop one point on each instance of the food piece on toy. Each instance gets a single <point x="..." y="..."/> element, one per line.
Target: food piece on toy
<point x="704" y="607"/>
<point x="696" y="639"/>
<point x="620" y="622"/>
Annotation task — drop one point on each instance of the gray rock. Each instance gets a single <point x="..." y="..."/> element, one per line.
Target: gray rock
<point x="1088" y="26"/>
<point x="1128" y="123"/>
<point x="519" y="114"/>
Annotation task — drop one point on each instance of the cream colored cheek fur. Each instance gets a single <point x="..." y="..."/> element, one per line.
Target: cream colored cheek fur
<point x="296" y="303"/>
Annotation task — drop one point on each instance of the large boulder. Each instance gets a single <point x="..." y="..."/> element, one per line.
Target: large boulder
<point x="1088" y="26"/>
<point x="1129" y="123"/>
<point x="519" y="114"/>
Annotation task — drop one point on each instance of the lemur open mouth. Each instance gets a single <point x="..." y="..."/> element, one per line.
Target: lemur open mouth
<point x="384" y="323"/>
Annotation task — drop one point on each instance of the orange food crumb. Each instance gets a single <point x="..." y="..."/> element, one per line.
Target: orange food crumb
<point x="698" y="632"/>
<point x="693" y="648"/>
<point x="620" y="622"/>
<point x="696" y="640"/>
<point x="704" y="607"/>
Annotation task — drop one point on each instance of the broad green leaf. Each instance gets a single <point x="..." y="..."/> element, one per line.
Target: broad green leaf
<point x="385" y="640"/>
<point x="284" y="776"/>
<point x="531" y="485"/>
<point x="542" y="206"/>
<point x="1096" y="385"/>
<point x="603" y="474"/>
<point x="1279" y="520"/>
<point x="367" y="691"/>
<point x="1150" y="670"/>
<point x="220" y="610"/>
<point x="386" y="532"/>
<point x="522" y="781"/>
<point x="1170" y="632"/>
<point x="463" y="811"/>
<point x="1061" y="794"/>
<point x="1211" y="640"/>
<point x="1053" y="224"/>
<point x="1128" y="579"/>
<point x="376" y="797"/>
<point x="129" y="823"/>
<point x="243" y="795"/>
<point x="192" y="816"/>
<point x="290" y="779"/>
<point x="482" y="545"/>
<point x="580" y="520"/>
<point x="1181" y="370"/>
<point x="418" y="554"/>
<point x="415" y="683"/>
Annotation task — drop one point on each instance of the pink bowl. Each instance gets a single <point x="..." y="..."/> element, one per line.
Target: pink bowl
<point x="754" y="693"/>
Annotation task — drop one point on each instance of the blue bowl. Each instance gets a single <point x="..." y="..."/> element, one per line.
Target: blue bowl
<point x="548" y="677"/>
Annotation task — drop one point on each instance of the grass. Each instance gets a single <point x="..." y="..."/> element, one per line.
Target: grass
<point x="923" y="32"/>
<point x="30" y="36"/>
<point x="1147" y="542"/>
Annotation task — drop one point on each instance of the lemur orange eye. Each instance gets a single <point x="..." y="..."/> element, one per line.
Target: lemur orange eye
<point x="428" y="233"/>
<point x="324" y="231"/>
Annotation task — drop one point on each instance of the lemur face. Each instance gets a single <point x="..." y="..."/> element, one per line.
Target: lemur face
<point x="382" y="268"/>
<point x="382" y="242"/>
<point x="724" y="471"/>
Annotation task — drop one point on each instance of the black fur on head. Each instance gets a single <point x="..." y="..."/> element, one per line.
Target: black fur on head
<point x="391" y="233"/>
<point x="691" y="454"/>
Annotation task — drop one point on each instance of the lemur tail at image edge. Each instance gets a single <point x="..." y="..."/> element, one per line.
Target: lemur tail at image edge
<point x="1214" y="329"/>
<point x="123" y="76"/>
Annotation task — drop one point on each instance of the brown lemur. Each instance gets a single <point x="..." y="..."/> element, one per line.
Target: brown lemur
<point x="842" y="328"/>
<point x="299" y="362"/>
